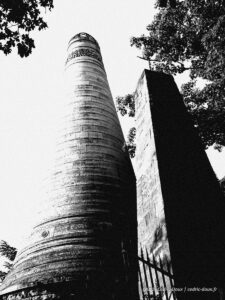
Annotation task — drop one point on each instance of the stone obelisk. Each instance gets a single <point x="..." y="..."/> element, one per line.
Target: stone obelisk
<point x="88" y="225"/>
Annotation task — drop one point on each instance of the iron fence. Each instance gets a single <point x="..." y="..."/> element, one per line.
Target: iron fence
<point x="156" y="280"/>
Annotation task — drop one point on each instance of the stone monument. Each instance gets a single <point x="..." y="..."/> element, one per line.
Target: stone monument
<point x="180" y="204"/>
<point x="88" y="224"/>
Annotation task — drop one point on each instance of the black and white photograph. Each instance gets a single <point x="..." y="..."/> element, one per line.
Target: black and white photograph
<point x="112" y="160"/>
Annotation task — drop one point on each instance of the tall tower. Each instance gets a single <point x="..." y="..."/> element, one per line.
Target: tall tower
<point x="180" y="204"/>
<point x="76" y="250"/>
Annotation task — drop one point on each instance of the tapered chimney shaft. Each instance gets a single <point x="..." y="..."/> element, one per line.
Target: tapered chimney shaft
<point x="88" y="224"/>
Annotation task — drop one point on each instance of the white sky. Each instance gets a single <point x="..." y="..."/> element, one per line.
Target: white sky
<point x="32" y="92"/>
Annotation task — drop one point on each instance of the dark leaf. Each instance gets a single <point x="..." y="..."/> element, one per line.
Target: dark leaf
<point x="7" y="250"/>
<point x="19" y="18"/>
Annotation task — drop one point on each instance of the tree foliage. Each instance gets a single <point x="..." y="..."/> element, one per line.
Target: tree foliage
<point x="131" y="145"/>
<point x="17" y="19"/>
<point x="2" y="275"/>
<point x="192" y="37"/>
<point x="9" y="253"/>
<point x="164" y="3"/>
<point x="126" y="106"/>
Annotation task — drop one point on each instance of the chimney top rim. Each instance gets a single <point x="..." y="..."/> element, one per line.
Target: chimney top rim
<point x="83" y="36"/>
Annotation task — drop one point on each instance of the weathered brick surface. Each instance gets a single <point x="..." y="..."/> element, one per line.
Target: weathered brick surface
<point x="91" y="203"/>
<point x="150" y="203"/>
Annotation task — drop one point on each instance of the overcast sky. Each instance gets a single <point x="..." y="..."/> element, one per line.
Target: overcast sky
<point x="32" y="93"/>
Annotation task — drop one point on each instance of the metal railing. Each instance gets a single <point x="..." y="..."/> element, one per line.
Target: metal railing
<point x="156" y="280"/>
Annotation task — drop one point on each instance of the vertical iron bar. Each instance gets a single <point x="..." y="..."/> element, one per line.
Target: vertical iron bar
<point x="145" y="274"/>
<point x="151" y="276"/>
<point x="156" y="275"/>
<point x="142" y="288"/>
<point x="163" y="277"/>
